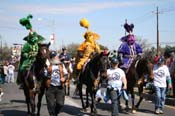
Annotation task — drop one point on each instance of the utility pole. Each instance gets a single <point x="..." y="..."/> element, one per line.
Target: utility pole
<point x="1" y="49"/>
<point x="157" y="19"/>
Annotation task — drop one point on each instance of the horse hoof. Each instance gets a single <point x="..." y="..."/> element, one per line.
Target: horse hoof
<point x="94" y="114"/>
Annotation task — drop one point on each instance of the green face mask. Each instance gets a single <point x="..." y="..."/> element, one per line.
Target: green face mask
<point x="34" y="40"/>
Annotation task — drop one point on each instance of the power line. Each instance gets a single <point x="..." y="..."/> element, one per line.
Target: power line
<point x="167" y="10"/>
<point x="141" y="19"/>
<point x="164" y="43"/>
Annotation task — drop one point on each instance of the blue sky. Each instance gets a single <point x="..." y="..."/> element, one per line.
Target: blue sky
<point x="106" y="18"/>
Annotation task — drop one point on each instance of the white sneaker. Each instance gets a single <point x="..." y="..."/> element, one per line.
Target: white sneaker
<point x="2" y="93"/>
<point x="157" y="111"/>
<point x="161" y="111"/>
<point x="1" y="96"/>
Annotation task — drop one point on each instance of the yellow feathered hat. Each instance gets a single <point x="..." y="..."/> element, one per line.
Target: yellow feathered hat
<point x="90" y="33"/>
<point x="85" y="23"/>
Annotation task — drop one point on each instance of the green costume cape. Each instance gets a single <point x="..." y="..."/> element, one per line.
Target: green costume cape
<point x="30" y="48"/>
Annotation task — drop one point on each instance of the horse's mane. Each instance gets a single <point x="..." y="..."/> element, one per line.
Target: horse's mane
<point x="93" y="63"/>
<point x="92" y="67"/>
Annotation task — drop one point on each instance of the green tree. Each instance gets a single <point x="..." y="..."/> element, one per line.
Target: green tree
<point x="5" y="53"/>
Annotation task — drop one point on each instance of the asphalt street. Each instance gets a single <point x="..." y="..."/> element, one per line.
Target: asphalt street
<point x="13" y="104"/>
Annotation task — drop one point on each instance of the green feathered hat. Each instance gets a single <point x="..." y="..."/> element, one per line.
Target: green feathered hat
<point x="26" y="22"/>
<point x="40" y="38"/>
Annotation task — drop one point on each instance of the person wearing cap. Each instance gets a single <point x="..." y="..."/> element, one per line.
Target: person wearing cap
<point x="65" y="59"/>
<point x="64" y="56"/>
<point x="129" y="49"/>
<point x="87" y="48"/>
<point x="29" y="50"/>
<point x="161" y="78"/>
<point x="116" y="83"/>
<point x="55" y="94"/>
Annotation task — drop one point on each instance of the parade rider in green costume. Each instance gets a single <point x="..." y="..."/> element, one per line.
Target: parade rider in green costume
<point x="29" y="50"/>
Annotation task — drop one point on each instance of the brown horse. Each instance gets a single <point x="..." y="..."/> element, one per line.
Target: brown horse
<point x="68" y="76"/>
<point x="137" y="71"/>
<point x="34" y="80"/>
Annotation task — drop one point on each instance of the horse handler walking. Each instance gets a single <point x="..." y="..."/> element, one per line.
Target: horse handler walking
<point x="116" y="82"/>
<point x="55" y="93"/>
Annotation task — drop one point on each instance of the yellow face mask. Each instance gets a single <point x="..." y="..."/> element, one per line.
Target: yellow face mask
<point x="90" y="38"/>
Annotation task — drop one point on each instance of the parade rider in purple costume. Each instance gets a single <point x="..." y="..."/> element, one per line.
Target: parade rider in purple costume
<point x="129" y="49"/>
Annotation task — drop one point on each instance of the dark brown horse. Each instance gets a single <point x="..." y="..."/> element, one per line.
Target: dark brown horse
<point x="34" y="80"/>
<point x="96" y="67"/>
<point x="137" y="71"/>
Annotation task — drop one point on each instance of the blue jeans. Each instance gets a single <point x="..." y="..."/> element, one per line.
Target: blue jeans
<point x="160" y="97"/>
<point x="114" y="99"/>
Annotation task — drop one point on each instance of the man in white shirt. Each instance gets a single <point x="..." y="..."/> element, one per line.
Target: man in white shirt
<point x="55" y="93"/>
<point x="116" y="81"/>
<point x="161" y="78"/>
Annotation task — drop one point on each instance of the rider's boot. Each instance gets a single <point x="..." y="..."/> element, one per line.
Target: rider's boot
<point x="140" y="81"/>
<point x="96" y="83"/>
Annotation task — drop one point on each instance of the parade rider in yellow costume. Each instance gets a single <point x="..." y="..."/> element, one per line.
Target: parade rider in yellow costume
<point x="87" y="48"/>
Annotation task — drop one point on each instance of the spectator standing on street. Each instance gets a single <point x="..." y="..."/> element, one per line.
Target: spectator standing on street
<point x="10" y="76"/>
<point x="55" y="93"/>
<point x="5" y="68"/>
<point x="161" y="78"/>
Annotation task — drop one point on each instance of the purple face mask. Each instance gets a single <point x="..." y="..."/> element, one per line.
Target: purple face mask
<point x="131" y="39"/>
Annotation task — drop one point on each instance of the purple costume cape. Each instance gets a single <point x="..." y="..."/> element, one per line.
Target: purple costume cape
<point x="128" y="50"/>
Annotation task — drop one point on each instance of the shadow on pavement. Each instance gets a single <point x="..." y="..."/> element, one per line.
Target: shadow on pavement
<point x="76" y="111"/>
<point x="146" y="111"/>
<point x="13" y="113"/>
<point x="17" y="101"/>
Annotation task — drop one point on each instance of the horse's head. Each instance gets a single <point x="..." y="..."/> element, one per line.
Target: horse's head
<point x="103" y="63"/>
<point x="145" y="66"/>
<point x="43" y="52"/>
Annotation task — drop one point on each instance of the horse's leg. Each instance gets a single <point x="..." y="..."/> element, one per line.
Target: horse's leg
<point x="68" y="84"/>
<point x="81" y="94"/>
<point x="76" y="91"/>
<point x="87" y="97"/>
<point x="68" y="80"/>
<point x="26" y="93"/>
<point x="140" y="89"/>
<point x="93" y="104"/>
<point x="133" y="100"/>
<point x="65" y="86"/>
<point x="32" y="102"/>
<point x="40" y="96"/>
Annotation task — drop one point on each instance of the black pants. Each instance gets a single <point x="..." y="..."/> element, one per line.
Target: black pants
<point x="55" y="96"/>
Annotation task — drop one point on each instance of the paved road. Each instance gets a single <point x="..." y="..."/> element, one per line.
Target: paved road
<point x="13" y="104"/>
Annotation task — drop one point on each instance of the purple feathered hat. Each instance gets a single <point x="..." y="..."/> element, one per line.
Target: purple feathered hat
<point x="129" y="28"/>
<point x="130" y="37"/>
